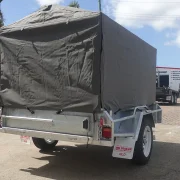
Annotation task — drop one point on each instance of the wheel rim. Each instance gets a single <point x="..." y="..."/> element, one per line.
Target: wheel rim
<point x="147" y="140"/>
<point x="49" y="141"/>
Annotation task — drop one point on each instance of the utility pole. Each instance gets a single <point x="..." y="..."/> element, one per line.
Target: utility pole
<point x="100" y="8"/>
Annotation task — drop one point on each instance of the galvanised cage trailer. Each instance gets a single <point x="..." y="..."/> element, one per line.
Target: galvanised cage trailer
<point x="73" y="75"/>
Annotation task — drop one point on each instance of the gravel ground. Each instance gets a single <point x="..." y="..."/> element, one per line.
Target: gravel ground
<point x="171" y="114"/>
<point x="69" y="161"/>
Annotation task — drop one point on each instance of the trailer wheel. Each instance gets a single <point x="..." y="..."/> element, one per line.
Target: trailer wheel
<point x="144" y="144"/>
<point x="44" y="144"/>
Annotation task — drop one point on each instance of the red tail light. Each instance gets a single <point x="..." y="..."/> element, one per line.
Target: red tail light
<point x="106" y="132"/>
<point x="105" y="129"/>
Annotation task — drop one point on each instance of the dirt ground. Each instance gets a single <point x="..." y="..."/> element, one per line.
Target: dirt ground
<point x="68" y="161"/>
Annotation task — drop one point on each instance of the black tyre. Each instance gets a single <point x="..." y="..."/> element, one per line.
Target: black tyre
<point x="175" y="99"/>
<point x="44" y="144"/>
<point x="144" y="144"/>
<point x="171" y="102"/>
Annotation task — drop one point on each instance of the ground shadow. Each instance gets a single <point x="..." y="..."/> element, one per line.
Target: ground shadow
<point x="167" y="104"/>
<point x="97" y="163"/>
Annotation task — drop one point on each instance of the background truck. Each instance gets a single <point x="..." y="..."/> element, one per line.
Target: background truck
<point x="64" y="77"/>
<point x="167" y="84"/>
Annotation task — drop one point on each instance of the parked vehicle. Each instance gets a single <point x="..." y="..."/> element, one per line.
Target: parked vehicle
<point x="167" y="84"/>
<point x="64" y="74"/>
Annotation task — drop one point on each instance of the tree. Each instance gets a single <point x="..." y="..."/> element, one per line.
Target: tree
<point x="74" y="4"/>
<point x="1" y="17"/>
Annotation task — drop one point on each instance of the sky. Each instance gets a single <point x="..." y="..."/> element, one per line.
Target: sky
<point x="155" y="21"/>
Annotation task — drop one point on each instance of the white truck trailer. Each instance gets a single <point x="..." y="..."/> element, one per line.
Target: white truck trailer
<point x="167" y="84"/>
<point x="64" y="78"/>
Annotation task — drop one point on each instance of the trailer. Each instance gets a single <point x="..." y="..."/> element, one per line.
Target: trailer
<point x="64" y="78"/>
<point x="167" y="84"/>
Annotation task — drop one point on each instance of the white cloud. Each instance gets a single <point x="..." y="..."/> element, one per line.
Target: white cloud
<point x="170" y="35"/>
<point x="139" y="13"/>
<point x="47" y="2"/>
<point x="158" y="14"/>
<point x="175" y="41"/>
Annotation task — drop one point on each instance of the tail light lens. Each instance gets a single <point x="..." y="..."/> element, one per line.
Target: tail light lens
<point x="106" y="132"/>
<point x="105" y="129"/>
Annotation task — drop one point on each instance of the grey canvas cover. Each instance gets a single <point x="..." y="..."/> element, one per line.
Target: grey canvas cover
<point x="62" y="58"/>
<point x="129" y="68"/>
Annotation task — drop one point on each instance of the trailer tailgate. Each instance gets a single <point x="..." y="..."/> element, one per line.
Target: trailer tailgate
<point x="48" y="121"/>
